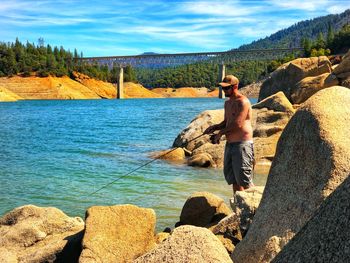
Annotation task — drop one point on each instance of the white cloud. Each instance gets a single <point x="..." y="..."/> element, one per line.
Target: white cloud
<point x="336" y="9"/>
<point x="306" y="5"/>
<point x="219" y="8"/>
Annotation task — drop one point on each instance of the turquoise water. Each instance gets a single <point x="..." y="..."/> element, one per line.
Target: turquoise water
<point x="56" y="153"/>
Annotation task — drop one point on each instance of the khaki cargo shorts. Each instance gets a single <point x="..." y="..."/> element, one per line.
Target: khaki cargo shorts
<point x="238" y="163"/>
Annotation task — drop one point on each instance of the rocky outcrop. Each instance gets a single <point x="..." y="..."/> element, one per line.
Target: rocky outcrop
<point x="231" y="229"/>
<point x="272" y="115"/>
<point x="307" y="87"/>
<point x="118" y="233"/>
<point x="133" y="90"/>
<point x="203" y="209"/>
<point x="342" y="71"/>
<point x="6" y="95"/>
<point x="208" y="154"/>
<point x="228" y="231"/>
<point x="80" y="87"/>
<point x="245" y="205"/>
<point x="103" y="89"/>
<point x="39" y="234"/>
<point x="286" y="76"/>
<point x="188" y="244"/>
<point x="252" y="90"/>
<point x="30" y="88"/>
<point x="325" y="238"/>
<point x="196" y="128"/>
<point x="312" y="159"/>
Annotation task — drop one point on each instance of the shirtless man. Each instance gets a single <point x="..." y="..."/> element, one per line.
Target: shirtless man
<point x="239" y="153"/>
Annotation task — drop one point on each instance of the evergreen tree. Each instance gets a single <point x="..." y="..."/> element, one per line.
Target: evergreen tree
<point x="330" y="35"/>
<point x="320" y="42"/>
<point x="129" y="74"/>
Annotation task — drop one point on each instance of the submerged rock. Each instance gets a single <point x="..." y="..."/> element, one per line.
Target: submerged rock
<point x="188" y="244"/>
<point x="117" y="233"/>
<point x="312" y="159"/>
<point x="39" y="234"/>
<point x="175" y="154"/>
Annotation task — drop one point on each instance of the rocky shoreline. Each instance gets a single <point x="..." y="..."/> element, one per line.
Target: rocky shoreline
<point x="81" y="86"/>
<point x="301" y="215"/>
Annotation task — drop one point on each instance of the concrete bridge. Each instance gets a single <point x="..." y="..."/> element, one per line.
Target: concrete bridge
<point x="166" y="60"/>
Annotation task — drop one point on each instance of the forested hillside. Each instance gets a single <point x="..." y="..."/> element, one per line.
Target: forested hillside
<point x="202" y="74"/>
<point x="293" y="36"/>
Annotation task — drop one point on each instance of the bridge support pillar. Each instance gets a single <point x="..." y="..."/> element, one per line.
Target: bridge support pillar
<point x="120" y="84"/>
<point x="222" y="73"/>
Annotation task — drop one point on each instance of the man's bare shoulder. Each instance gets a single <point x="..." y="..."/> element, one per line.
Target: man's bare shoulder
<point x="244" y="100"/>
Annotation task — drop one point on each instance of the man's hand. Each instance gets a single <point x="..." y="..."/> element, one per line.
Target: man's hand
<point x="210" y="129"/>
<point x="215" y="138"/>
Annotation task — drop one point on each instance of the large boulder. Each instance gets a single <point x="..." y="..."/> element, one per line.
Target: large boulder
<point x="231" y="229"/>
<point x="289" y="74"/>
<point x="342" y="71"/>
<point x="39" y="234"/>
<point x="252" y="90"/>
<point x="117" y="233"/>
<point x="228" y="231"/>
<point x="245" y="205"/>
<point x="308" y="86"/>
<point x="203" y="209"/>
<point x="208" y="155"/>
<point x="312" y="159"/>
<point x="202" y="159"/>
<point x="203" y="152"/>
<point x="196" y="128"/>
<point x="344" y="65"/>
<point x="188" y="244"/>
<point x="325" y="238"/>
<point x="272" y="115"/>
<point x="172" y="155"/>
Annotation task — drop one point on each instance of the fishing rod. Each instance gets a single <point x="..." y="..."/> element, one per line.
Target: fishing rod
<point x="134" y="170"/>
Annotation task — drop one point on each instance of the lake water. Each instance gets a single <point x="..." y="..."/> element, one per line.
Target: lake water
<point x="56" y="153"/>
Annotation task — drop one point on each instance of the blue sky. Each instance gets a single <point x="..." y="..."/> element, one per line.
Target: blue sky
<point x="103" y="28"/>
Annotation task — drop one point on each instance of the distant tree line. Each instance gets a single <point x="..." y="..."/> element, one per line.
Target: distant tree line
<point x="334" y="43"/>
<point x="26" y="59"/>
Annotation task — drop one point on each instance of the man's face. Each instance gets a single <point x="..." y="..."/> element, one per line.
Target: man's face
<point x="227" y="90"/>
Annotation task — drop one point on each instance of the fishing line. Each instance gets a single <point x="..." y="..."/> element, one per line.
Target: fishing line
<point x="134" y="170"/>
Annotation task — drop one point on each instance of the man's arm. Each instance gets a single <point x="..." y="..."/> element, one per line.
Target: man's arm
<point x="215" y="127"/>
